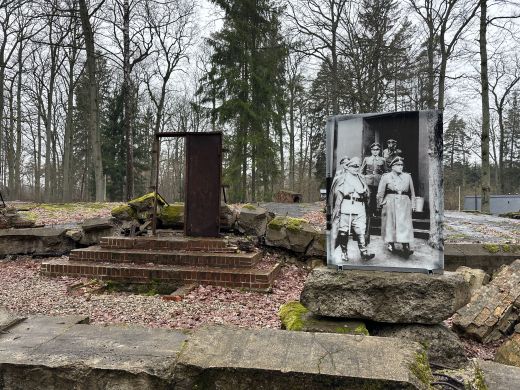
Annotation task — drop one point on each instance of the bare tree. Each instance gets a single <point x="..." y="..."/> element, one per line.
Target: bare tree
<point x="172" y="25"/>
<point x="445" y="21"/>
<point x="318" y="24"/>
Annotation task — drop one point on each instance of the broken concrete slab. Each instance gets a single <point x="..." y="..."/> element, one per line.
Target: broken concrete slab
<point x="509" y="352"/>
<point x="442" y="345"/>
<point x="384" y="296"/>
<point x="97" y="224"/>
<point x="488" y="257"/>
<point x="58" y="353"/>
<point x="290" y="233"/>
<point x="8" y="320"/>
<point x="243" y="359"/>
<point x="499" y="376"/>
<point x="474" y="276"/>
<point x="494" y="310"/>
<point x="45" y="241"/>
<point x="252" y="220"/>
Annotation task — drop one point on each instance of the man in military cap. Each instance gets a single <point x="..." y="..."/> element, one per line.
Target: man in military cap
<point x="372" y="168"/>
<point x="350" y="193"/>
<point x="396" y="195"/>
<point x="390" y="153"/>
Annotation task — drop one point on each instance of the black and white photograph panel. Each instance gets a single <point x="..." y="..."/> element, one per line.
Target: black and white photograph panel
<point x="385" y="195"/>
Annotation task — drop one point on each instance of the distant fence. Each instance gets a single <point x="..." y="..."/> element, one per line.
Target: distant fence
<point x="499" y="204"/>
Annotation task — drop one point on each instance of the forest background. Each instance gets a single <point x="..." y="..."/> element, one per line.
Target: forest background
<point x="85" y="85"/>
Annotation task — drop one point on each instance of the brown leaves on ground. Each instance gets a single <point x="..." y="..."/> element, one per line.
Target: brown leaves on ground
<point x="24" y="291"/>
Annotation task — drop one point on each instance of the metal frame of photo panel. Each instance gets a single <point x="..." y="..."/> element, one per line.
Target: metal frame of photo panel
<point x="432" y="137"/>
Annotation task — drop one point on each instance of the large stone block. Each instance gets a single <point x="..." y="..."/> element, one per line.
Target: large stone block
<point x="290" y="233"/>
<point x="252" y="220"/>
<point x="494" y="309"/>
<point x="499" y="376"/>
<point x="385" y="296"/>
<point x="47" y="353"/>
<point x="35" y="241"/>
<point x="442" y="345"/>
<point x="240" y="359"/>
<point x="509" y="352"/>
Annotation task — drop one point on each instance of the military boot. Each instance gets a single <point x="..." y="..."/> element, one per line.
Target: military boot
<point x="391" y="247"/>
<point x="407" y="252"/>
<point x="343" y="243"/>
<point x="365" y="255"/>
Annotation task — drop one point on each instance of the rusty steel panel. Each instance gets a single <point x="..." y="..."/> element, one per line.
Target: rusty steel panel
<point x="203" y="187"/>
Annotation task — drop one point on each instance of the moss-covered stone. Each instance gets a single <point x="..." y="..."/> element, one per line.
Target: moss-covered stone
<point x="277" y="223"/>
<point x="249" y="206"/>
<point x="421" y="368"/>
<point x="172" y="215"/>
<point x="145" y="202"/>
<point x="124" y="213"/>
<point x="291" y="315"/>
<point x="491" y="248"/>
<point x="290" y="223"/>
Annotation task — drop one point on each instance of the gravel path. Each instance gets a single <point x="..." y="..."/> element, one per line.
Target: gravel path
<point x="24" y="291"/>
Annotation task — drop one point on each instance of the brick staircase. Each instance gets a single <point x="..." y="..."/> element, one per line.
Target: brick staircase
<point x="168" y="260"/>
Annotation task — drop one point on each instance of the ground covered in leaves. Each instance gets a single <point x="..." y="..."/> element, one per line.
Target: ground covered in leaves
<point x="24" y="291"/>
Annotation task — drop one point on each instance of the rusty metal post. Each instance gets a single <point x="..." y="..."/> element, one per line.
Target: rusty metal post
<point x="157" y="151"/>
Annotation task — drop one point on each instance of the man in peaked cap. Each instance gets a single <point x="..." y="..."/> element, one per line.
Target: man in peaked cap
<point x="390" y="153"/>
<point x="372" y="168"/>
<point x="396" y="195"/>
<point x="350" y="195"/>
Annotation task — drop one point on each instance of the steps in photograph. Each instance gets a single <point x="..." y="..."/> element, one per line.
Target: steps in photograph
<point x="173" y="260"/>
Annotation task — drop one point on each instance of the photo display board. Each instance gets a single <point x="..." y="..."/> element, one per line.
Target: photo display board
<point x="385" y="195"/>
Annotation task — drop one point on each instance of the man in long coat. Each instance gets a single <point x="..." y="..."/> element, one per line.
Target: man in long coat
<point x="350" y="193"/>
<point x="396" y="195"/>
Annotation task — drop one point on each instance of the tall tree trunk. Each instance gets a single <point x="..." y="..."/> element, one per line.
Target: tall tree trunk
<point x="67" y="141"/>
<point x="38" y="162"/>
<point x="95" y="141"/>
<point x="10" y="145"/>
<point x="484" y="138"/>
<point x="127" y="123"/>
<point x="18" y="150"/>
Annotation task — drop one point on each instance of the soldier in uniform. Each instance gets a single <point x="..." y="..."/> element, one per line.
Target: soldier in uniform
<point x="390" y="153"/>
<point x="372" y="168"/>
<point x="350" y="195"/>
<point x="397" y="197"/>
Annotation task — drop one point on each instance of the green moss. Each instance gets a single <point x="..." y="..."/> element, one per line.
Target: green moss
<point x="421" y="368"/>
<point x="479" y="383"/>
<point x="491" y="248"/>
<point x="172" y="214"/>
<point x="291" y="315"/>
<point x="249" y="206"/>
<point x="361" y="329"/>
<point x="292" y="224"/>
<point x="295" y="224"/>
<point x="146" y="197"/>
<point x="277" y="223"/>
<point x="457" y="236"/>
<point x="58" y="206"/>
<point x="506" y="248"/>
<point x="123" y="210"/>
<point x="29" y="215"/>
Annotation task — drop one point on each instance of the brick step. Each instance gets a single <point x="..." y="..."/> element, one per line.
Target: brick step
<point x="184" y="258"/>
<point x="167" y="244"/>
<point x="251" y="278"/>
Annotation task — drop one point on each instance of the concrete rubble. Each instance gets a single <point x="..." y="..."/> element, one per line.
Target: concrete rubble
<point x="385" y="296"/>
<point x="65" y="352"/>
<point x="494" y="309"/>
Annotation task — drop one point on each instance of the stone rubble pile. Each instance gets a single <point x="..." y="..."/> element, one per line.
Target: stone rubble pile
<point x="409" y="306"/>
<point x="494" y="314"/>
<point x="10" y="218"/>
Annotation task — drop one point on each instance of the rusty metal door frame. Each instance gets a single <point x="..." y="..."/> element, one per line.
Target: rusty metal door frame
<point x="156" y="150"/>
